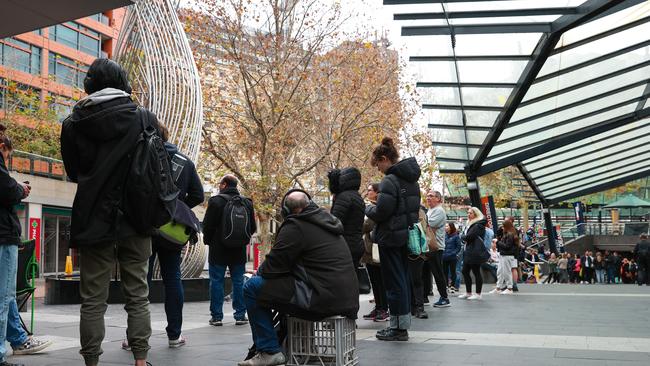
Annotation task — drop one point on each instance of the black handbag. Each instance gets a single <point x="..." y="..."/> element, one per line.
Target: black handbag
<point x="364" y="280"/>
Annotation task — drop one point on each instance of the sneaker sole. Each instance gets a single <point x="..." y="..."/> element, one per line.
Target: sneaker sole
<point x="177" y="345"/>
<point x="33" y="350"/>
<point x="442" y="306"/>
<point x="216" y="325"/>
<point x="391" y="339"/>
<point x="381" y="320"/>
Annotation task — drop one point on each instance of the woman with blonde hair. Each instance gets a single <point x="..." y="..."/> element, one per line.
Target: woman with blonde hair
<point x="475" y="253"/>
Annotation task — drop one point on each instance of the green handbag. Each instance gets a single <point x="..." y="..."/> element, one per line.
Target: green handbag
<point x="417" y="244"/>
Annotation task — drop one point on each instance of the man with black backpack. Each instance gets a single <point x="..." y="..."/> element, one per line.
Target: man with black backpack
<point x="111" y="148"/>
<point x="228" y="226"/>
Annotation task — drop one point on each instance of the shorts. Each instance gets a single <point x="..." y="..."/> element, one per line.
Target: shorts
<point x="509" y="260"/>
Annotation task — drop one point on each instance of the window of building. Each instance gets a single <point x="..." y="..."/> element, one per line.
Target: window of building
<point x="66" y="71"/>
<point x="100" y="17"/>
<point x="61" y="105"/>
<point x="20" y="56"/>
<point x="18" y="97"/>
<point x="78" y="37"/>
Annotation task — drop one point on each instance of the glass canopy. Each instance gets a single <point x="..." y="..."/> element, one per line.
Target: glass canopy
<point x="558" y="88"/>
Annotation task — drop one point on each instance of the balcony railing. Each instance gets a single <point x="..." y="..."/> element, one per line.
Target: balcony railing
<point x="42" y="166"/>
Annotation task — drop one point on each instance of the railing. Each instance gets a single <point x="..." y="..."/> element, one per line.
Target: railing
<point x="598" y="229"/>
<point x="42" y="166"/>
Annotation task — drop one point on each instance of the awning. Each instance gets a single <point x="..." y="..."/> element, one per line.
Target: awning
<point x="21" y="16"/>
<point x="557" y="88"/>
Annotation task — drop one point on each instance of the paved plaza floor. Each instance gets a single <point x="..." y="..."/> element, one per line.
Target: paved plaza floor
<point x="542" y="325"/>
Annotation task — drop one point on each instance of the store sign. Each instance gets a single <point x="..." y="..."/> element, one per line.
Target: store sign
<point x="490" y="212"/>
<point x="35" y="233"/>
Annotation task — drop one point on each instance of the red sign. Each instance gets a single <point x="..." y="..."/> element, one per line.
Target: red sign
<point x="35" y="233"/>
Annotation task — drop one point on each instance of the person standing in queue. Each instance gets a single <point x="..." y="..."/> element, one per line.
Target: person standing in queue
<point x="397" y="209"/>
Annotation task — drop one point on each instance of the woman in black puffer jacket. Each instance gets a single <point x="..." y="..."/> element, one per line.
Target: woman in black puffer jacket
<point x="397" y="208"/>
<point x="475" y="252"/>
<point x="348" y="206"/>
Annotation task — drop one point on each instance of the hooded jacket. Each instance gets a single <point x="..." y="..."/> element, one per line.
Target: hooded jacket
<point x="474" y="248"/>
<point x="307" y="266"/>
<point x="398" y="204"/>
<point x="348" y="207"/>
<point x="188" y="181"/>
<point x="96" y="140"/>
<point x="11" y="193"/>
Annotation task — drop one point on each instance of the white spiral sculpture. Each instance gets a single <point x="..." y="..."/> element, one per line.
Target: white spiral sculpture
<point x="154" y="50"/>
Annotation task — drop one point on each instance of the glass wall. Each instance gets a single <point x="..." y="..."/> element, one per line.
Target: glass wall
<point x="61" y="105"/>
<point x="20" y="56"/>
<point x="66" y="71"/>
<point x="78" y="37"/>
<point x="56" y="242"/>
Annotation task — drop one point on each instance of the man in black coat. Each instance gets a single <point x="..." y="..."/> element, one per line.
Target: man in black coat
<point x="96" y="140"/>
<point x="307" y="274"/>
<point x="222" y="256"/>
<point x="348" y="206"/>
<point x="642" y="255"/>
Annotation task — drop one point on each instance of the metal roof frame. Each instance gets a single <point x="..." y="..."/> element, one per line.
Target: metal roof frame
<point x="486" y="13"/>
<point x="601" y="187"/>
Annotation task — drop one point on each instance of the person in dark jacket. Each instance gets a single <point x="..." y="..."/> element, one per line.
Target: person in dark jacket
<point x="302" y="276"/>
<point x="188" y="182"/>
<point x="475" y="253"/>
<point x="507" y="247"/>
<point x="348" y="206"/>
<point x="397" y="209"/>
<point x="453" y="247"/>
<point x="221" y="256"/>
<point x="96" y="140"/>
<point x="642" y="255"/>
<point x="373" y="265"/>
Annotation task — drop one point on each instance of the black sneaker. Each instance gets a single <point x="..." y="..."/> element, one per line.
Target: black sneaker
<point x="421" y="314"/>
<point x="382" y="316"/>
<point x="371" y="315"/>
<point x="5" y="363"/>
<point x="390" y="334"/>
<point x="242" y="321"/>
<point x="215" y="322"/>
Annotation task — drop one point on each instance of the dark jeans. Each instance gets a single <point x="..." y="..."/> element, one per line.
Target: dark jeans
<point x="427" y="280"/>
<point x="217" y="278"/>
<point x="417" y="289"/>
<point x="394" y="271"/>
<point x="435" y="263"/>
<point x="449" y="267"/>
<point x="644" y="267"/>
<point x="377" y="283"/>
<point x="170" y="271"/>
<point x="261" y="319"/>
<point x="587" y="274"/>
<point x="476" y="269"/>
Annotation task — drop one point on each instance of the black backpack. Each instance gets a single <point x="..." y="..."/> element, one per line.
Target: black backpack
<point x="150" y="194"/>
<point x="235" y="229"/>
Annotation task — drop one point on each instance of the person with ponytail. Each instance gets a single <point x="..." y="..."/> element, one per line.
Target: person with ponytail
<point x="397" y="208"/>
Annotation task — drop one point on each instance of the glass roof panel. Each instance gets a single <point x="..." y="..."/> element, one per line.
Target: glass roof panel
<point x="495" y="44"/>
<point x="620" y="62"/>
<point x="427" y="46"/>
<point x="613" y="136"/>
<point x="499" y="71"/>
<point x="597" y="26"/>
<point x="505" y="20"/>
<point x="439" y="95"/>
<point x="607" y="175"/>
<point x="446" y="165"/>
<point x="590" y="163"/>
<point x="481" y="118"/>
<point x="437" y="71"/>
<point x="454" y="152"/>
<point x="456" y="136"/>
<point x="596" y="48"/>
<point x="443" y="116"/>
<point x="507" y="5"/>
<point x="540" y="125"/>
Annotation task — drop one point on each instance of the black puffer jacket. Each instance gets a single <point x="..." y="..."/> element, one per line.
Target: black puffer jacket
<point x="309" y="271"/>
<point x="475" y="251"/>
<point x="507" y="245"/>
<point x="95" y="142"/>
<point x="10" y="195"/>
<point x="398" y="204"/>
<point x="348" y="206"/>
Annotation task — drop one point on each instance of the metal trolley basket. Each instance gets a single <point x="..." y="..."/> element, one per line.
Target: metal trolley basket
<point x="329" y="342"/>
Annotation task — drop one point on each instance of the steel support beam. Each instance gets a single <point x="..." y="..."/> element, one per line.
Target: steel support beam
<point x="531" y="183"/>
<point x="486" y="13"/>
<point x="439" y="30"/>
<point x="470" y="58"/>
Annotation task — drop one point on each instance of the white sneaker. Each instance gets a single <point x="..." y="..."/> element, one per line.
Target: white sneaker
<point x="495" y="291"/>
<point x="464" y="296"/>
<point x="506" y="292"/>
<point x="475" y="297"/>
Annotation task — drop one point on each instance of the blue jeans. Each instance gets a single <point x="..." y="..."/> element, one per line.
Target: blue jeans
<point x="170" y="271"/>
<point x="16" y="335"/>
<point x="8" y="267"/>
<point x="600" y="276"/>
<point x="217" y="277"/>
<point x="459" y="267"/>
<point x="261" y="319"/>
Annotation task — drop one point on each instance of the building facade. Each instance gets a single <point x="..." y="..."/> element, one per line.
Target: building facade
<point x="51" y="63"/>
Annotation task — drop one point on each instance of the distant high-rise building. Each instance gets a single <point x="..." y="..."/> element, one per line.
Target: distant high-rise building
<point x="52" y="61"/>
